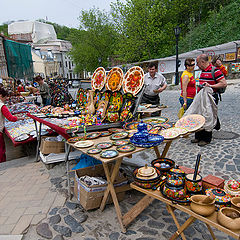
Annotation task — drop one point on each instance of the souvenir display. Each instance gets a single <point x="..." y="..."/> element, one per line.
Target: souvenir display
<point x="23" y="107"/>
<point x="134" y="125"/>
<point x="98" y="79"/>
<point x="109" y="154"/>
<point x="101" y="110"/>
<point x="120" y="142"/>
<point x="221" y="198"/>
<point x="93" y="135"/>
<point x="114" y="79"/>
<point x="126" y="148"/>
<point x="105" y="133"/>
<point x="147" y="177"/>
<point x="84" y="144"/>
<point x="82" y="97"/>
<point x="94" y="150"/>
<point x="191" y="122"/>
<point x="21" y="138"/>
<point x="163" y="164"/>
<point x="155" y="120"/>
<point x="119" y="135"/>
<point x="127" y="107"/>
<point x="169" y="133"/>
<point x="155" y="129"/>
<point x="75" y="139"/>
<point x="104" y="145"/>
<point x="133" y="80"/>
<point x="232" y="187"/>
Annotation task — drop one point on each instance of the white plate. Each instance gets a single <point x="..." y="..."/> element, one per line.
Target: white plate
<point x="84" y="144"/>
<point x="21" y="138"/>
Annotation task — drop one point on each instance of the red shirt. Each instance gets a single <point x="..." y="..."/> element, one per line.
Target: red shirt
<point x="6" y="113"/>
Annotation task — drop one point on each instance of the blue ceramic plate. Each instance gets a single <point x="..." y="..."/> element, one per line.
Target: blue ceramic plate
<point x="149" y="144"/>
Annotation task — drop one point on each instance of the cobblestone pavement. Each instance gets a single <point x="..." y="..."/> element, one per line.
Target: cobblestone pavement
<point x="70" y="221"/>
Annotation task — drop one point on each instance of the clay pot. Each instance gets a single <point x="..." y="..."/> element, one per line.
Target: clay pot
<point x="236" y="203"/>
<point x="202" y="207"/>
<point x="232" y="187"/>
<point x="229" y="218"/>
<point x="193" y="186"/>
<point x="163" y="164"/>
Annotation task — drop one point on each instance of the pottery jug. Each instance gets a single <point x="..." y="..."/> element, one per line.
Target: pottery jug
<point x="91" y="108"/>
<point x="142" y="135"/>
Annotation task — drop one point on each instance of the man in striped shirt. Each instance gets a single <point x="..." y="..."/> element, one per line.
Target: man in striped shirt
<point x="203" y="137"/>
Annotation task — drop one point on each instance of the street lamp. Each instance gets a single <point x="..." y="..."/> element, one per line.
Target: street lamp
<point x="177" y="31"/>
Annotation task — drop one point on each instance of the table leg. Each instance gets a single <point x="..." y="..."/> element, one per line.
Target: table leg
<point x="67" y="151"/>
<point x="110" y="189"/>
<point x="183" y="227"/>
<point x="38" y="139"/>
<point x="171" y="211"/>
<point x="166" y="148"/>
<point x="211" y="232"/>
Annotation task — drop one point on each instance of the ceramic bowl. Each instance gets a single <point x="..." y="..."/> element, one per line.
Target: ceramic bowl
<point x="147" y="183"/>
<point x="193" y="186"/>
<point x="198" y="206"/>
<point x="229" y="218"/>
<point x="163" y="164"/>
<point x="235" y="201"/>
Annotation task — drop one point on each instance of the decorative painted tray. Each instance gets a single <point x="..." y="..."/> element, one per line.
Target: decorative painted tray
<point x="22" y="137"/>
<point x="114" y="79"/>
<point x="155" y="120"/>
<point x="109" y="154"/>
<point x="119" y="135"/>
<point x="93" y="135"/>
<point x="133" y="80"/>
<point x="94" y="150"/>
<point x="126" y="148"/>
<point x="75" y="139"/>
<point x="191" y="122"/>
<point x="98" y="79"/>
<point x="131" y="132"/>
<point x="133" y="126"/>
<point x="180" y="130"/>
<point x="156" y="129"/>
<point x="104" y="145"/>
<point x="120" y="142"/>
<point x="84" y="144"/>
<point x="166" y="125"/>
<point x="169" y="133"/>
<point x="116" y="130"/>
<point x="147" y="144"/>
<point x="105" y="133"/>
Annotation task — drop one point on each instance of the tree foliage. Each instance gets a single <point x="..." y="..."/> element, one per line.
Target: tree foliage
<point x="93" y="43"/>
<point x="4" y="29"/>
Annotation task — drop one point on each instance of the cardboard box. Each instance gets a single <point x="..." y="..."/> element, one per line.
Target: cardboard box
<point x="90" y="197"/>
<point x="211" y="181"/>
<point x="48" y="147"/>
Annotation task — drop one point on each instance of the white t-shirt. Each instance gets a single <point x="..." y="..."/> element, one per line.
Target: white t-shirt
<point x="153" y="83"/>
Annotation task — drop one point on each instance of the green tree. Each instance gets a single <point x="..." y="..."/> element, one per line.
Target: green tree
<point x="4" y="29"/>
<point x="93" y="43"/>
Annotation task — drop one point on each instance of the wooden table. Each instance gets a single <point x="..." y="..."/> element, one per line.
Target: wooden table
<point x="151" y="195"/>
<point x="116" y="161"/>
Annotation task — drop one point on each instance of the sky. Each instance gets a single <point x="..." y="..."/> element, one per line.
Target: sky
<point x="62" y="12"/>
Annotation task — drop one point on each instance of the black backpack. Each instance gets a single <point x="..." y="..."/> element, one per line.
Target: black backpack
<point x="220" y="90"/>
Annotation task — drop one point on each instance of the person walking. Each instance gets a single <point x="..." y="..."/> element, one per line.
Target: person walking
<point x="188" y="84"/>
<point x="4" y="113"/>
<point x="155" y="83"/>
<point x="44" y="91"/>
<point x="215" y="81"/>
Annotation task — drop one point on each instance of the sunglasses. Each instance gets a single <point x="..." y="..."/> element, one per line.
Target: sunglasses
<point x="191" y="65"/>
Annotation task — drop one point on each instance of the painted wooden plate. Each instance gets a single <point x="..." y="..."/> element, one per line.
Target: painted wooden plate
<point x="75" y="139"/>
<point x="169" y="133"/>
<point x="156" y="130"/>
<point x="94" y="150"/>
<point x="133" y="126"/>
<point x="98" y="79"/>
<point x="120" y="142"/>
<point x="156" y="120"/>
<point x="104" y="145"/>
<point x="115" y="130"/>
<point x="114" y="79"/>
<point x="165" y="125"/>
<point x="109" y="154"/>
<point x="119" y="135"/>
<point x="126" y="148"/>
<point x="191" y="122"/>
<point x="84" y="144"/>
<point x="105" y="133"/>
<point x="93" y="135"/>
<point x="180" y="130"/>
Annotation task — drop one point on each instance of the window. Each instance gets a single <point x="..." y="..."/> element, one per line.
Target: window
<point x="66" y="64"/>
<point x="69" y="64"/>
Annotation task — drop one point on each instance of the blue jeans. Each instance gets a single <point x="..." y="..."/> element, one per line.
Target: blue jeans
<point x="189" y="101"/>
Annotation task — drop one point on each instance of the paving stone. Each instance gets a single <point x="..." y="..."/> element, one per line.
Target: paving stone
<point x="142" y="218"/>
<point x="80" y="216"/>
<point x="147" y="231"/>
<point x="65" y="231"/>
<point x="72" y="205"/>
<point x="145" y="238"/>
<point x="63" y="211"/>
<point x="74" y="224"/>
<point x="56" y="180"/>
<point x="43" y="230"/>
<point x="53" y="211"/>
<point x="55" y="219"/>
<point x="130" y="232"/>
<point x="155" y="224"/>
<point x="168" y="220"/>
<point x="167" y="235"/>
<point x="230" y="168"/>
<point x="172" y="228"/>
<point x="89" y="238"/>
<point x="114" y="236"/>
<point x="58" y="237"/>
